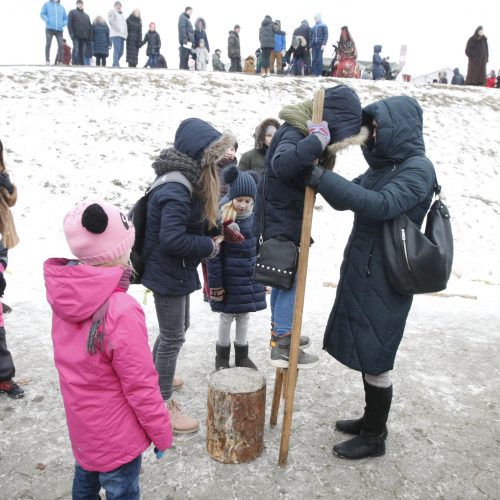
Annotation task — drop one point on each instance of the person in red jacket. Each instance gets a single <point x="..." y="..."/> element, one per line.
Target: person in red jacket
<point x="491" y="81"/>
<point x="109" y="383"/>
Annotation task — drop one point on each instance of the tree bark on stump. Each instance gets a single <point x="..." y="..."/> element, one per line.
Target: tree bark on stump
<point x="236" y="415"/>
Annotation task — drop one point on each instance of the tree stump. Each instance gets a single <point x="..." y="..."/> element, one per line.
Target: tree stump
<point x="236" y="415"/>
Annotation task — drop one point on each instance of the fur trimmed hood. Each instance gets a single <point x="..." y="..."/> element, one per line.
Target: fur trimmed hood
<point x="260" y="132"/>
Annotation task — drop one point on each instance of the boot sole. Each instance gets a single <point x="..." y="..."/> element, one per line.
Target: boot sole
<point x="179" y="431"/>
<point x="281" y="363"/>
<point x="371" y="455"/>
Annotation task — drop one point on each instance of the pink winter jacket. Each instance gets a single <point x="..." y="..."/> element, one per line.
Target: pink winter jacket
<point x="112" y="399"/>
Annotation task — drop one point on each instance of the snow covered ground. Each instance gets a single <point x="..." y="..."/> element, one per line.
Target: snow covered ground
<point x="70" y="133"/>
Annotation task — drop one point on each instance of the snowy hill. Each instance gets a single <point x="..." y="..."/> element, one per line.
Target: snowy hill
<point x="71" y="133"/>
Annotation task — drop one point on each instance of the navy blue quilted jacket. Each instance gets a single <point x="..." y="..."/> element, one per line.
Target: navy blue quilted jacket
<point x="368" y="318"/>
<point x="233" y="269"/>
<point x="280" y="193"/>
<point x="176" y="232"/>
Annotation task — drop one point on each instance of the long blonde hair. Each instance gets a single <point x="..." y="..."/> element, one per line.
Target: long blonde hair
<point x="208" y="185"/>
<point x="228" y="212"/>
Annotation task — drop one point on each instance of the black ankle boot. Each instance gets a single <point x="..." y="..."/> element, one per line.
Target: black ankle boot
<point x="222" y="356"/>
<point x="371" y="439"/>
<point x="241" y="357"/>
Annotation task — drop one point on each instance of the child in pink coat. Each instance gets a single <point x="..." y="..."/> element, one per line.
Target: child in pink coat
<point x="108" y="381"/>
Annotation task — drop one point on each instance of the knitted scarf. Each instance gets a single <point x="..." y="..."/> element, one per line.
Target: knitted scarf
<point x="172" y="160"/>
<point x="297" y="115"/>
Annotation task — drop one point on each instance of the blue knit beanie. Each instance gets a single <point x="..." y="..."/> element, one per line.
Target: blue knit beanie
<point x="240" y="183"/>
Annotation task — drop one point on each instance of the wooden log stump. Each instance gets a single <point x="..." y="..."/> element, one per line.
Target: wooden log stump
<point x="236" y="415"/>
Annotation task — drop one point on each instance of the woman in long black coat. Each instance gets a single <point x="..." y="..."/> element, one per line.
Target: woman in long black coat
<point x="134" y="38"/>
<point x="477" y="52"/>
<point x="368" y="317"/>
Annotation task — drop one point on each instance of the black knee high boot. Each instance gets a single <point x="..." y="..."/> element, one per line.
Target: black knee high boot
<point x="352" y="426"/>
<point x="371" y="439"/>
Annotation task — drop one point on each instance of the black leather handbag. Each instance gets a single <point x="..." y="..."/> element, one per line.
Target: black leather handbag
<point x="276" y="263"/>
<point x="417" y="262"/>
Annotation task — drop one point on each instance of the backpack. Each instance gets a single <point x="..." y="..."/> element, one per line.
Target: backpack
<point x="138" y="216"/>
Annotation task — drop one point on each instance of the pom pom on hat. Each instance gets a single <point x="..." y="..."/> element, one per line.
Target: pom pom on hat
<point x="97" y="232"/>
<point x="240" y="183"/>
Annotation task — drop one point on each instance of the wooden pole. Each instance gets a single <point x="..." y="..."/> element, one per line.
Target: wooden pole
<point x="305" y="241"/>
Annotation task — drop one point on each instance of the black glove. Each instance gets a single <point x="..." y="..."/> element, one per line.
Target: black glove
<point x="3" y="284"/>
<point x="314" y="176"/>
<point x="5" y="182"/>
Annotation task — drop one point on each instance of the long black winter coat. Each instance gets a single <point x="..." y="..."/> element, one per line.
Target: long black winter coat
<point x="368" y="318"/>
<point x="477" y="52"/>
<point x="100" y="39"/>
<point x="233" y="45"/>
<point x="134" y="39"/>
<point x="233" y="269"/>
<point x="79" y="25"/>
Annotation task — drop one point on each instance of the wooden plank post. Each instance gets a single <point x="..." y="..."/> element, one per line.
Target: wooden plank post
<point x="288" y="380"/>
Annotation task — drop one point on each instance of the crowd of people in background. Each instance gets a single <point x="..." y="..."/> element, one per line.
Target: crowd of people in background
<point x="303" y="56"/>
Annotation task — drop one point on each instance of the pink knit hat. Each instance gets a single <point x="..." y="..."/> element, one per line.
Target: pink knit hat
<point x="97" y="232"/>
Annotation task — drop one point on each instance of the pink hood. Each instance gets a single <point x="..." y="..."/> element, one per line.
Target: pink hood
<point x="113" y="404"/>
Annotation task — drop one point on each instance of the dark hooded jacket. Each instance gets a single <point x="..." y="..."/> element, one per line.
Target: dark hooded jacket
<point x="378" y="70"/>
<point x="266" y="33"/>
<point x="280" y="194"/>
<point x="303" y="30"/>
<point x="368" y="318"/>
<point x="200" y="34"/>
<point x="175" y="229"/>
<point x="100" y="39"/>
<point x="477" y="52"/>
<point x="457" y="78"/>
<point x="254" y="159"/>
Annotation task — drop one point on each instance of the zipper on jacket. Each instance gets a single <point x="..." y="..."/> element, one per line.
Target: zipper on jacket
<point x="183" y="262"/>
<point x="405" y="250"/>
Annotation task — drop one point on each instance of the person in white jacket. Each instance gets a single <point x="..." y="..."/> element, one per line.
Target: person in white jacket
<point x="201" y="56"/>
<point x="117" y="32"/>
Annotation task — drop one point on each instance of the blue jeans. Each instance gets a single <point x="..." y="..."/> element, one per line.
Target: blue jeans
<point x="173" y="320"/>
<point x="119" y="484"/>
<point x="153" y="61"/>
<point x="317" y="61"/>
<point x="118" y="44"/>
<point x="282" y="309"/>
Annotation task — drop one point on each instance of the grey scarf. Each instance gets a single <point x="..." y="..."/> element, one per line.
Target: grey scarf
<point x="171" y="160"/>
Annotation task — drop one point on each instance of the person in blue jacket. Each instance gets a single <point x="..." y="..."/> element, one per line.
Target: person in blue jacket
<point x="233" y="292"/>
<point x="180" y="218"/>
<point x="278" y="53"/>
<point x="55" y="17"/>
<point x="368" y="318"/>
<point x="318" y="40"/>
<point x="281" y="190"/>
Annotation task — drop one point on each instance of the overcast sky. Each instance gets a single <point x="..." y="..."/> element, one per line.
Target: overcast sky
<point x="435" y="31"/>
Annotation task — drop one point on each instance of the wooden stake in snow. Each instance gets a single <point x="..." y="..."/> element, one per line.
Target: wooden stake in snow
<point x="287" y="377"/>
